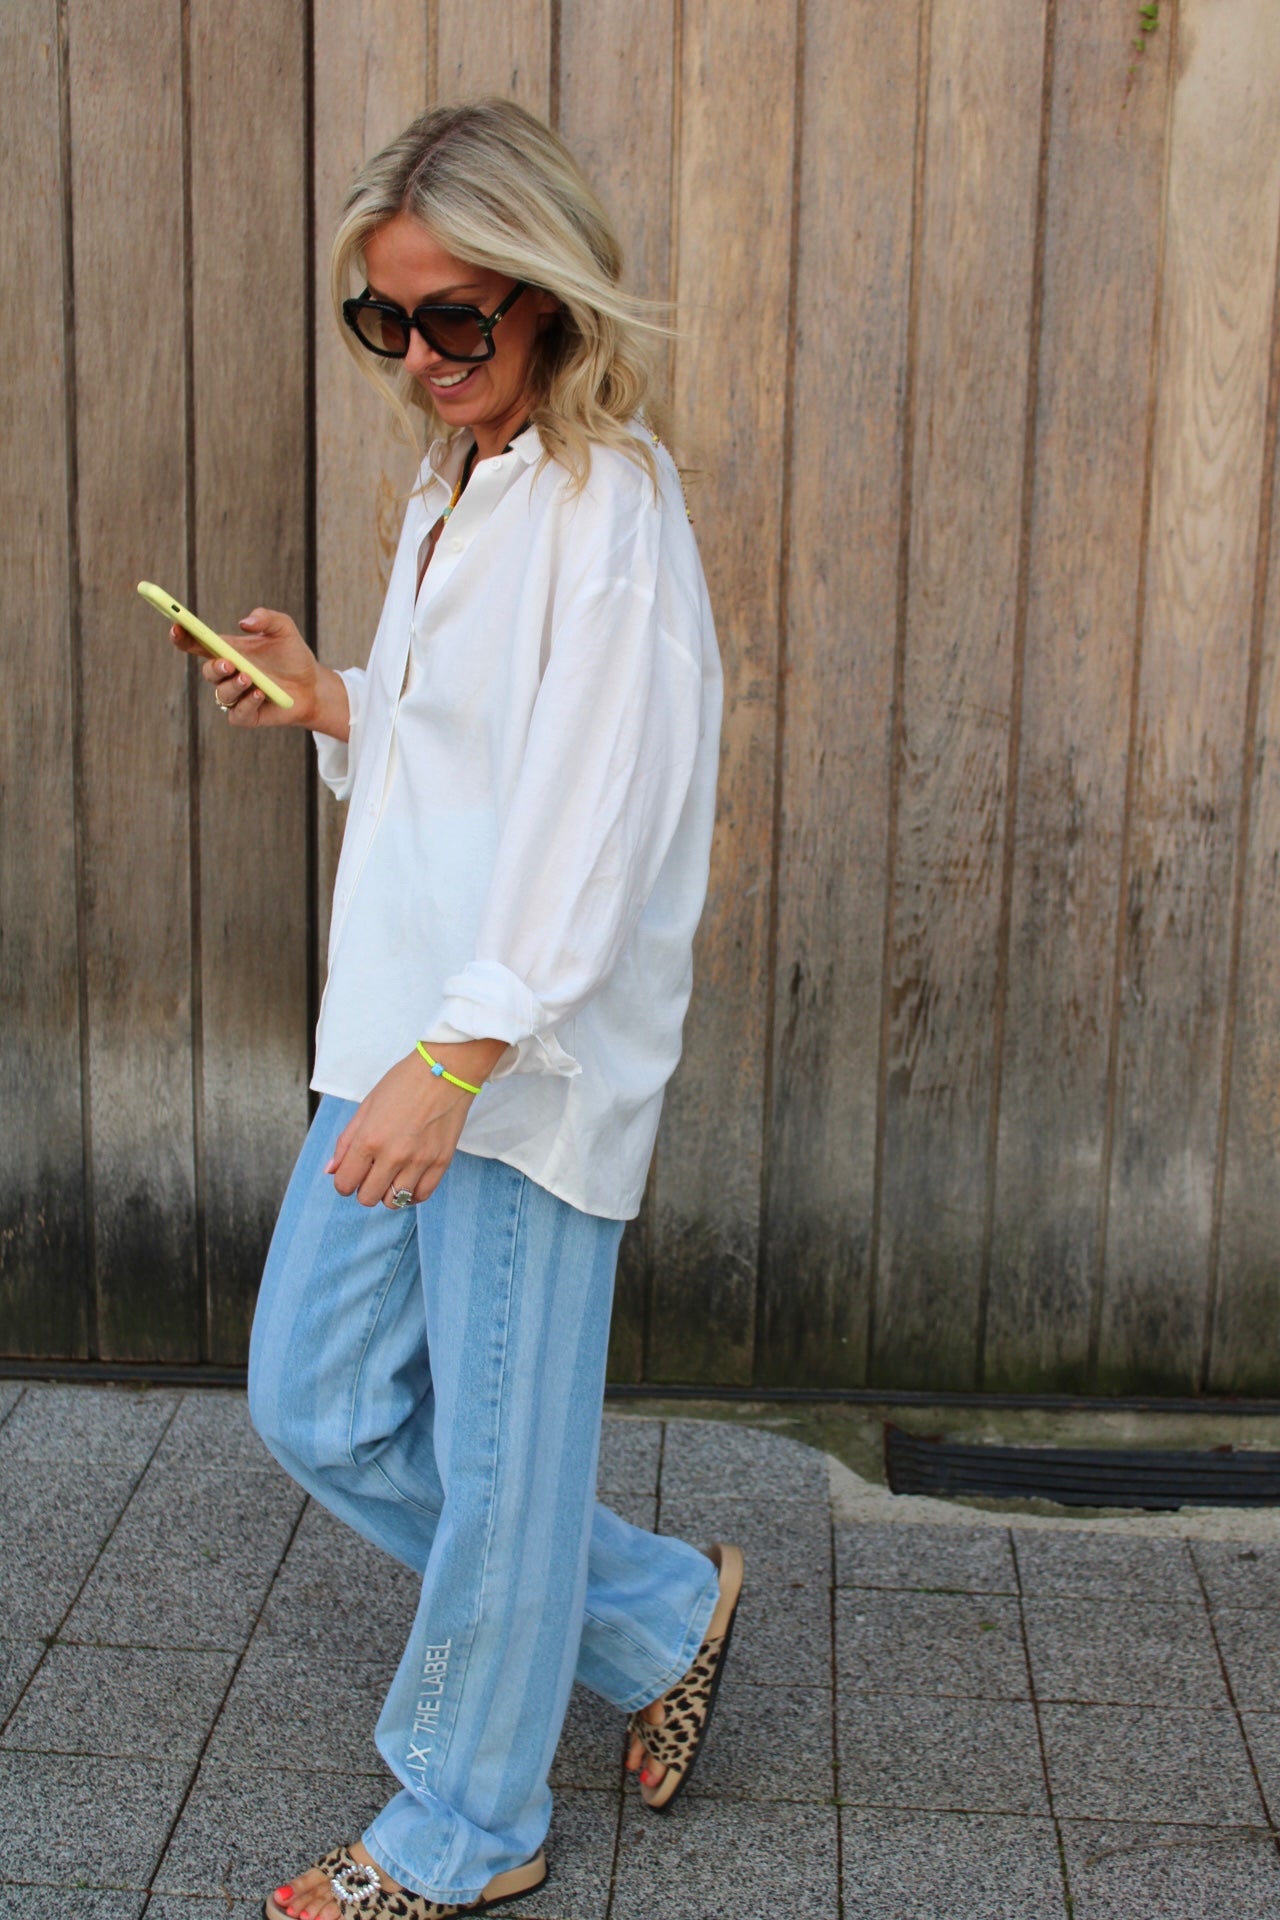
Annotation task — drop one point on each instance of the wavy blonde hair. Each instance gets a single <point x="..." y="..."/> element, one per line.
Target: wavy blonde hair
<point x="497" y="188"/>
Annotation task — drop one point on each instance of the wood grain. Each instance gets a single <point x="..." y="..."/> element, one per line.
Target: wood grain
<point x="43" y="1265"/>
<point x="981" y="170"/>
<point x="853" y="273"/>
<point x="616" y="98"/>
<point x="1105" y="179"/>
<point x="127" y="201"/>
<point x="372" y="76"/>
<point x="736" y="138"/>
<point x="491" y="49"/>
<point x="249" y="232"/>
<point x="1220" y="266"/>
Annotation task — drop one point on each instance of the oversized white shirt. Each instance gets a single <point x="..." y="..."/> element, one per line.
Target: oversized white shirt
<point x="531" y="775"/>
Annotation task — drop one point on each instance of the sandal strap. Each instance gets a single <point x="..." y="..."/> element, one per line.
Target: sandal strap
<point x="686" y="1706"/>
<point x="380" y="1903"/>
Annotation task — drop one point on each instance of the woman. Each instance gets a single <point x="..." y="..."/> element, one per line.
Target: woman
<point x="529" y="761"/>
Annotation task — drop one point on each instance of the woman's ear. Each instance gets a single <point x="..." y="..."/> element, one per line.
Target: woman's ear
<point x="548" y="308"/>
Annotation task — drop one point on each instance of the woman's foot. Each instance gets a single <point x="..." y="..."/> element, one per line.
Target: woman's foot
<point x="667" y="1735"/>
<point x="310" y="1895"/>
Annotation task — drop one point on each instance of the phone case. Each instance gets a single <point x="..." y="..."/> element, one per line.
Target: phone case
<point x="211" y="642"/>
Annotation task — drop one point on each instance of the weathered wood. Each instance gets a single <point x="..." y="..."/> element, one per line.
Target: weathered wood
<point x="247" y="64"/>
<point x="127" y="208"/>
<point x="736" y="139"/>
<point x="1243" y="1356"/>
<point x="1102" y="220"/>
<point x="43" y="1294"/>
<point x="616" y="93"/>
<point x="979" y="209"/>
<point x="372" y="76"/>
<point x="1219" y="280"/>
<point x="853" y="273"/>
<point x="499" y="50"/>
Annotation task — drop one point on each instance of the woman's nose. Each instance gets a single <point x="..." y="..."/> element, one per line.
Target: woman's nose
<point x="420" y="359"/>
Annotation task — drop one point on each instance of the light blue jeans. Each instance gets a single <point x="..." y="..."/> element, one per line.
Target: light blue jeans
<point x="435" y="1378"/>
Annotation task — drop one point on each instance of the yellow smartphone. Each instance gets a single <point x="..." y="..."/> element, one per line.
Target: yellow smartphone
<point x="211" y="642"/>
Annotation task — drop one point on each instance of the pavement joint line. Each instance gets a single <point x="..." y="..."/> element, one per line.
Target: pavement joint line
<point x="836" y="1795"/>
<point x="54" y="1639"/>
<point x="1068" y="1900"/>
<point x="9" y="1413"/>
<point x="1235" y="1706"/>
<point x="236" y="1665"/>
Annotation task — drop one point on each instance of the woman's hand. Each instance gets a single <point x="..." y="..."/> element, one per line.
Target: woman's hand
<point x="404" y="1132"/>
<point x="272" y="642"/>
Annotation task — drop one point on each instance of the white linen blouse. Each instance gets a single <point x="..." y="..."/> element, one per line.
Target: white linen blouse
<point x="531" y="780"/>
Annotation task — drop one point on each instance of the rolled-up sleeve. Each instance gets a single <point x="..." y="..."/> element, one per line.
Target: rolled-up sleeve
<point x="606" y="770"/>
<point x="336" y="759"/>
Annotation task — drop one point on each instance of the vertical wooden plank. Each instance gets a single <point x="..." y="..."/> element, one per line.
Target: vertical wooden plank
<point x="127" y="195"/>
<point x="853" y="271"/>
<point x="372" y="77"/>
<point x="736" y="140"/>
<point x="1102" y="220"/>
<point x="1244" y="1356"/>
<point x="496" y="49"/>
<point x="981" y="172"/>
<point x="248" y="210"/>
<point x="43" y="1292"/>
<point x="1220" y="266"/>
<point x="615" y="88"/>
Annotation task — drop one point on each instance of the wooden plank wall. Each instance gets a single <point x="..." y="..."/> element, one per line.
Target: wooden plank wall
<point x="975" y="383"/>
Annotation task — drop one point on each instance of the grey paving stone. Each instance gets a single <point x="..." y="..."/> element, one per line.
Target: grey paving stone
<point x="629" y="1453"/>
<point x="1126" y="1651"/>
<point x="767" y="1743"/>
<point x="785" y="1543"/>
<point x="11" y="1391"/>
<point x="1239" y="1574"/>
<point x="191" y="1562"/>
<point x="964" y="1644"/>
<point x="176" y="1906"/>
<point x="783" y="1640"/>
<point x="148" y="1704"/>
<point x="640" y="1509"/>
<point x="214" y="1429"/>
<point x="75" y="1424"/>
<point x="921" y="1866"/>
<point x="244" y="1831"/>
<point x="1101" y="1566"/>
<point x="1250" y="1643"/>
<point x="1146" y="1763"/>
<point x="276" y="1692"/>
<point x="712" y="1858"/>
<point x="18" y="1661"/>
<point x="937" y="1559"/>
<point x="77" y="1902"/>
<point x="1262" y="1730"/>
<point x="714" y="1457"/>
<point x="591" y="1745"/>
<point x="579" y="1860"/>
<point x="967" y="1756"/>
<point x="55" y="1523"/>
<point x="316" y="1605"/>
<point x="68" y="1819"/>
<point x="1121" y="1872"/>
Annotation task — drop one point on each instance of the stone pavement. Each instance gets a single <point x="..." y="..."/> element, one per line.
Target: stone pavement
<point x="929" y="1714"/>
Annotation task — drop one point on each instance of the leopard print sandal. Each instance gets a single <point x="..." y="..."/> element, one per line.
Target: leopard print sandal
<point x="361" y="1895"/>
<point x="676" y="1743"/>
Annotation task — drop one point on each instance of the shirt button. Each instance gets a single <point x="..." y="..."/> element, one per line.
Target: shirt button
<point x="455" y="545"/>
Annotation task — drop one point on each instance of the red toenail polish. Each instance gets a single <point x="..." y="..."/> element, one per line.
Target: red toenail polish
<point x="282" y="1894"/>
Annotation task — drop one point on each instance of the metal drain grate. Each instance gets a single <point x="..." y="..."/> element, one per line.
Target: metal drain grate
<point x="1081" y="1476"/>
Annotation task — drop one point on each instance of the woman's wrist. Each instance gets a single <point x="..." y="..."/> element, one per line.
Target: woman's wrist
<point x="330" y="708"/>
<point x="465" y="1062"/>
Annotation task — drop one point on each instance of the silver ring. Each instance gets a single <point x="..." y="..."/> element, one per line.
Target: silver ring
<point x="402" y="1197"/>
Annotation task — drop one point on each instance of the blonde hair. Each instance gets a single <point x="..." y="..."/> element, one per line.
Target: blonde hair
<point x="497" y="188"/>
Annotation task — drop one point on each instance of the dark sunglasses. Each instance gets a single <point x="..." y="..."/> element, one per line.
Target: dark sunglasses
<point x="455" y="333"/>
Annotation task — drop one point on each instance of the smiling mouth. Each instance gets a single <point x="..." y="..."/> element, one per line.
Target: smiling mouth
<point x="446" y="382"/>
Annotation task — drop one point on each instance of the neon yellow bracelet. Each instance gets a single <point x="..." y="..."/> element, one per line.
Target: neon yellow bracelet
<point x="440" y="1073"/>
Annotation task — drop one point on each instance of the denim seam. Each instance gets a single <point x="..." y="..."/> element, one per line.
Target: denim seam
<point x="486" y="1551"/>
<point x="375" y="1317"/>
<point x="680" y="1665"/>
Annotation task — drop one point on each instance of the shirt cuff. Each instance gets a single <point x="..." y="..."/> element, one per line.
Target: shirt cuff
<point x="486" y="1001"/>
<point x="335" y="758"/>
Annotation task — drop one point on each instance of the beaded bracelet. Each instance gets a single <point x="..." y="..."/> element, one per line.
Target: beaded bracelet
<point x="440" y="1073"/>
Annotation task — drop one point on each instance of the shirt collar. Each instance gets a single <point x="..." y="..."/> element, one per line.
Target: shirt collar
<point x="445" y="455"/>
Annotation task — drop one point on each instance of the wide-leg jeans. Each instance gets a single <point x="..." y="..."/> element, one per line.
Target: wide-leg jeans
<point x="435" y="1377"/>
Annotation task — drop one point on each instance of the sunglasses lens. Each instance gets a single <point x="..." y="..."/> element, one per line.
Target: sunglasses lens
<point x="453" y="332"/>
<point x="382" y="332"/>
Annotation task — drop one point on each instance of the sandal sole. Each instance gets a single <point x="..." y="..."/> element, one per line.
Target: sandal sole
<point x="682" y="1779"/>
<point x="272" y="1912"/>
